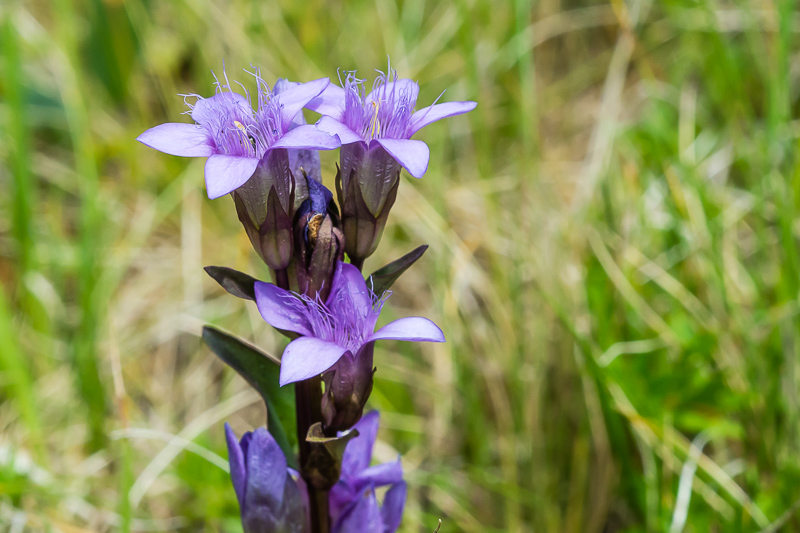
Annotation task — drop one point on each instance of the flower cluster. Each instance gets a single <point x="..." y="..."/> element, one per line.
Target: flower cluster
<point x="261" y="151"/>
<point x="271" y="495"/>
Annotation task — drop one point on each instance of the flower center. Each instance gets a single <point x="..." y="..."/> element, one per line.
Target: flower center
<point x="230" y="121"/>
<point x="383" y="114"/>
<point x="339" y="320"/>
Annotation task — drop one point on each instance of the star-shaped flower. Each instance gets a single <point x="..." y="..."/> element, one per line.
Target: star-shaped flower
<point x="343" y="324"/>
<point x="235" y="137"/>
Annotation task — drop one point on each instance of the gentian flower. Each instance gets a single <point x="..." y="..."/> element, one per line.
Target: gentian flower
<point x="352" y="501"/>
<point x="337" y="339"/>
<point x="247" y="153"/>
<point x="234" y="137"/>
<point x="269" y="498"/>
<point x="376" y="130"/>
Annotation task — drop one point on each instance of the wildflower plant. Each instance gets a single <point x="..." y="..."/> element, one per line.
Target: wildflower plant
<point x="309" y="470"/>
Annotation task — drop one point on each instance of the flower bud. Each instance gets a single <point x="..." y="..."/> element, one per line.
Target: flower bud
<point x="269" y="499"/>
<point x="319" y="243"/>
<point x="265" y="205"/>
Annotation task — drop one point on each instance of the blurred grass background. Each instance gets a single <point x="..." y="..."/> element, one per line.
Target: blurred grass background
<point x="614" y="259"/>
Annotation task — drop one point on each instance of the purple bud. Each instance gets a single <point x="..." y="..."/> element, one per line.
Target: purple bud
<point x="269" y="499"/>
<point x="319" y="243"/>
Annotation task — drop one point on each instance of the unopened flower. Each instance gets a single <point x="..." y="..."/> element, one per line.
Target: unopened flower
<point x="375" y="130"/>
<point x="353" y="503"/>
<point x="340" y="330"/>
<point x="269" y="498"/>
<point x="319" y="243"/>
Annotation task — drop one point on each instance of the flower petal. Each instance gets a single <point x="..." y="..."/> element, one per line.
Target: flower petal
<point x="392" y="509"/>
<point x="412" y="155"/>
<point x="226" y="173"/>
<point x="363" y="515"/>
<point x="273" y="304"/>
<point x="339" y="498"/>
<point x="383" y="474"/>
<point x="236" y="460"/>
<point x="334" y="127"/>
<point x="307" y="137"/>
<point x="413" y="328"/>
<point x="432" y="113"/>
<point x="393" y="90"/>
<point x="294" y="98"/>
<point x="266" y="471"/>
<point x="330" y="102"/>
<point x="185" y="140"/>
<point x="349" y="292"/>
<point x="307" y="357"/>
<point x="205" y="108"/>
<point x="358" y="453"/>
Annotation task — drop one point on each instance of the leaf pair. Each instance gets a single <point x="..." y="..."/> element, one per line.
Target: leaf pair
<point x="242" y="285"/>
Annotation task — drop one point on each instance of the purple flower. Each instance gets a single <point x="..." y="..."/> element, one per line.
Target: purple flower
<point x="343" y="324"/>
<point x="375" y="130"/>
<point x="353" y="504"/>
<point x="269" y="498"/>
<point x="377" y="127"/>
<point x="235" y="137"/>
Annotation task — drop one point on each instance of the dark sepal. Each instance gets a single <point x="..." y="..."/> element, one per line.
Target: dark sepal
<point x="237" y="283"/>
<point x="383" y="278"/>
<point x="362" y="229"/>
<point x="348" y="385"/>
<point x="275" y="234"/>
<point x="324" y="464"/>
<point x="261" y="371"/>
<point x="250" y="226"/>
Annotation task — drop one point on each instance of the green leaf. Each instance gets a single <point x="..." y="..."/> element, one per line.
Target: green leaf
<point x="237" y="283"/>
<point x="383" y="278"/>
<point x="261" y="372"/>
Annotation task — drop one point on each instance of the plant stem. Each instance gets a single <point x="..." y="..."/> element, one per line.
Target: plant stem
<point x="308" y="399"/>
<point x="308" y="408"/>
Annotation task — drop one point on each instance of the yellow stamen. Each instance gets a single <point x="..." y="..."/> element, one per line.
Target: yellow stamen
<point x="243" y="129"/>
<point x="375" y="124"/>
